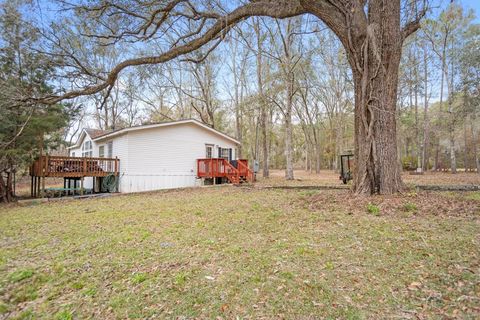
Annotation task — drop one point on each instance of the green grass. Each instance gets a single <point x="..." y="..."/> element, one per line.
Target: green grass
<point x="64" y="315"/>
<point x="469" y="195"/>
<point x="139" y="278"/>
<point x="373" y="209"/>
<point x="228" y="252"/>
<point x="473" y="196"/>
<point x="20" y="275"/>
<point x="410" y="207"/>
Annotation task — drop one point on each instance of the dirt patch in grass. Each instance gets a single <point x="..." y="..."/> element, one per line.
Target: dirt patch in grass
<point x="442" y="178"/>
<point x="329" y="177"/>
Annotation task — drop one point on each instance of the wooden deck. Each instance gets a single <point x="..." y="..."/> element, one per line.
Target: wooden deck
<point x="74" y="167"/>
<point x="236" y="172"/>
<point x="71" y="169"/>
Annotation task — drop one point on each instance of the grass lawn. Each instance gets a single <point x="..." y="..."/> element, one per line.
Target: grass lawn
<point x="246" y="253"/>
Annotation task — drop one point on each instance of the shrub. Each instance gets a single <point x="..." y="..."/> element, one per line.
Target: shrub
<point x="180" y="278"/>
<point x="409" y="163"/>
<point x="373" y="209"/>
<point x="139" y="278"/>
<point x="64" y="315"/>
<point x="410" y="207"/>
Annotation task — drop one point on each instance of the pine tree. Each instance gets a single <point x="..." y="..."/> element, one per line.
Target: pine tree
<point x="25" y="127"/>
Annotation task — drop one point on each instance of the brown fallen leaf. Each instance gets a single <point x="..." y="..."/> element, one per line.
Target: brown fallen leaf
<point x="224" y="307"/>
<point x="414" y="286"/>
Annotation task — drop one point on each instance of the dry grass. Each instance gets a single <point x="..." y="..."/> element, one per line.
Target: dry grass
<point x="326" y="177"/>
<point x="232" y="252"/>
<point x="443" y="178"/>
<point x="329" y="177"/>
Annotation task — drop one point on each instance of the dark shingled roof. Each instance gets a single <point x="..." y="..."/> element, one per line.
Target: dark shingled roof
<point x="94" y="133"/>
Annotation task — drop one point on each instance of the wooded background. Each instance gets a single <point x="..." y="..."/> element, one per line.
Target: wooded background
<point x="283" y="87"/>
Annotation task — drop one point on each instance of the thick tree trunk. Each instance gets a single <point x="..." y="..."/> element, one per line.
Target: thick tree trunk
<point x="375" y="73"/>
<point x="376" y="145"/>
<point x="9" y="186"/>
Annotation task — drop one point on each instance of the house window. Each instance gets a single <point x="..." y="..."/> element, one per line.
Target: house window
<point x="224" y="153"/>
<point x="87" y="150"/>
<point x="209" y="151"/>
<point x="73" y="154"/>
<point x="101" y="151"/>
<point x="110" y="149"/>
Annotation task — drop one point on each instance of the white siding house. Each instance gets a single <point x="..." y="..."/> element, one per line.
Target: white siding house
<point x="157" y="156"/>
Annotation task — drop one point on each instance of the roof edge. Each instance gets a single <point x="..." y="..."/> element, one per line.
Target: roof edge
<point x="164" y="124"/>
<point x="80" y="137"/>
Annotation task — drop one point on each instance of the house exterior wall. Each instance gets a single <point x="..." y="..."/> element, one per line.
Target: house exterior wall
<point x="120" y="150"/>
<point x="77" y="152"/>
<point x="160" y="157"/>
<point x="164" y="157"/>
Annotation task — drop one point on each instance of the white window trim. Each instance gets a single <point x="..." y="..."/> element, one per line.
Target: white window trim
<point x="101" y="154"/>
<point x="87" y="149"/>
<point x="110" y="149"/>
<point x="212" y="150"/>
<point x="222" y="153"/>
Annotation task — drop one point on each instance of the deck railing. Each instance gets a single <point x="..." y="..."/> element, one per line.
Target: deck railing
<point x="62" y="166"/>
<point x="244" y="170"/>
<point x="219" y="168"/>
<point x="212" y="167"/>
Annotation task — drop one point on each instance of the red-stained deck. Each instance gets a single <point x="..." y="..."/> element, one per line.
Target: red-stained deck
<point x="222" y="168"/>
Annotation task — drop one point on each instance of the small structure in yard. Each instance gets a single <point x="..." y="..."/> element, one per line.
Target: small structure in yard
<point x="346" y="167"/>
<point x="175" y="154"/>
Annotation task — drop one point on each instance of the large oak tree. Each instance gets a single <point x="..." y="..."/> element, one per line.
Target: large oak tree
<point x="372" y="32"/>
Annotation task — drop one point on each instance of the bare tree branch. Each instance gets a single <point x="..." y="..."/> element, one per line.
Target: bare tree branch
<point x="271" y="8"/>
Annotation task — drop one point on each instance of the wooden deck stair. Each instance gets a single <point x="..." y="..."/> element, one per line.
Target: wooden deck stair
<point x="222" y="168"/>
